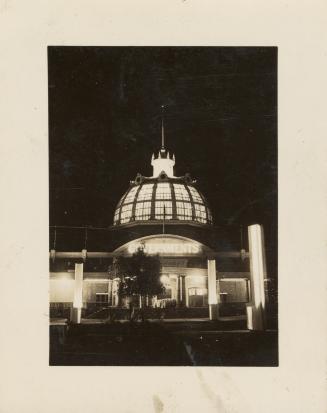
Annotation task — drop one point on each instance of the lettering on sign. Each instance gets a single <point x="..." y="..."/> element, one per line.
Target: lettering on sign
<point x="176" y="248"/>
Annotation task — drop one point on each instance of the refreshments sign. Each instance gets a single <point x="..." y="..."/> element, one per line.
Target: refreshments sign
<point x="164" y="245"/>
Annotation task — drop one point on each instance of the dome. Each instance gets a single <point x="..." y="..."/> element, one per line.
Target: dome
<point x="162" y="198"/>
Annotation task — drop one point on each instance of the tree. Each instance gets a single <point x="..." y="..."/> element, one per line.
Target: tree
<point x="139" y="274"/>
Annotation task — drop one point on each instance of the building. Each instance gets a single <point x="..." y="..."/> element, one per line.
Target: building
<point x="202" y="266"/>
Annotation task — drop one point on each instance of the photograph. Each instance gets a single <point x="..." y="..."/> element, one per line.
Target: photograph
<point x="163" y="206"/>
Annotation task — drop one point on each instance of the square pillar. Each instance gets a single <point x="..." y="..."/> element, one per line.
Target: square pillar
<point x="109" y="292"/>
<point x="212" y="290"/>
<point x="76" y="312"/>
<point x="256" y="308"/>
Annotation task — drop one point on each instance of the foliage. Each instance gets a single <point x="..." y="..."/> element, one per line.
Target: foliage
<point x="139" y="274"/>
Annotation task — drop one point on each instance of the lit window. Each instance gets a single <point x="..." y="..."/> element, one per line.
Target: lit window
<point x="163" y="191"/>
<point x="116" y="217"/>
<point x="142" y="211"/>
<point x="145" y="192"/>
<point x="184" y="210"/>
<point x="181" y="193"/>
<point x="163" y="209"/>
<point x="131" y="195"/>
<point x="126" y="213"/>
<point x="195" y="194"/>
<point x="200" y="213"/>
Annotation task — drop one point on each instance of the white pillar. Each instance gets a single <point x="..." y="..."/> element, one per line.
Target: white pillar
<point x="256" y="309"/>
<point x="78" y="294"/>
<point x="110" y="292"/>
<point x="114" y="291"/>
<point x="212" y="290"/>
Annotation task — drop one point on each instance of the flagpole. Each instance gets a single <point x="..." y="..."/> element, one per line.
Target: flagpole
<point x="163" y="221"/>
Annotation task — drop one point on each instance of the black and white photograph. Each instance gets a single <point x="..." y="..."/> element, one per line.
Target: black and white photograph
<point x="163" y="206"/>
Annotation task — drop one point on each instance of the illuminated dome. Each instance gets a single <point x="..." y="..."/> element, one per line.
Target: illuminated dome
<point x="162" y="197"/>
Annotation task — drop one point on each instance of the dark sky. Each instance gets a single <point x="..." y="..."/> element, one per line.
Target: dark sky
<point x="221" y="123"/>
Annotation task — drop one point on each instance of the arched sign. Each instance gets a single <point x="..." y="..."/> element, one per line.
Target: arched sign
<point x="164" y="245"/>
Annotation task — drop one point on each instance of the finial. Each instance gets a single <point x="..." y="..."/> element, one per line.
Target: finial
<point x="162" y="128"/>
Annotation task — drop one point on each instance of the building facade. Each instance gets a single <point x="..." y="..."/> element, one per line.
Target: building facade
<point x="202" y="266"/>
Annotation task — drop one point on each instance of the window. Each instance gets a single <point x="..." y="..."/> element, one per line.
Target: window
<point x="198" y="297"/>
<point x="142" y="211"/>
<point x="195" y="194"/>
<point x="200" y="213"/>
<point x="163" y="191"/>
<point x="131" y="195"/>
<point x="181" y="192"/>
<point x="184" y="210"/>
<point x="116" y="217"/>
<point x="145" y="192"/>
<point x="126" y="213"/>
<point x="163" y="209"/>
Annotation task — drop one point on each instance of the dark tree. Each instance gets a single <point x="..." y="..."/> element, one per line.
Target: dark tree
<point x="139" y="274"/>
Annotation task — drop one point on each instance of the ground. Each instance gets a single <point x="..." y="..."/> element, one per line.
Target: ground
<point x="162" y="343"/>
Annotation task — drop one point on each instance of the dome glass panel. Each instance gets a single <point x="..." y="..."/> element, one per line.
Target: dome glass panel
<point x="181" y="192"/>
<point x="155" y="201"/>
<point x="131" y="195"/>
<point x="142" y="211"/>
<point x="200" y="213"/>
<point x="126" y="213"/>
<point x="163" y="209"/>
<point x="163" y="191"/>
<point x="195" y="194"/>
<point x="184" y="210"/>
<point x="145" y="192"/>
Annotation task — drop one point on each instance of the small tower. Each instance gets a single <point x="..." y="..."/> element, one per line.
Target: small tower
<point x="163" y="162"/>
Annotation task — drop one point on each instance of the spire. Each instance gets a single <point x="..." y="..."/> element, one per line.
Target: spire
<point x="163" y="161"/>
<point x="162" y="128"/>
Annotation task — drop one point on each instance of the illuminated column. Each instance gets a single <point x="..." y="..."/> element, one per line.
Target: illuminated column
<point x="256" y="309"/>
<point x="212" y="290"/>
<point x="109" y="292"/>
<point x="76" y="311"/>
<point x="115" y="296"/>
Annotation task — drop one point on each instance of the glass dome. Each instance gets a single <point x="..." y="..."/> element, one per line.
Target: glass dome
<point x="162" y="198"/>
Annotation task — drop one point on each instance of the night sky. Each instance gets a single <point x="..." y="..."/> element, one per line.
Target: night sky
<point x="220" y="121"/>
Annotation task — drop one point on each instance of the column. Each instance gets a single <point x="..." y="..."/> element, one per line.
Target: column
<point x="178" y="294"/>
<point x="109" y="292"/>
<point x="76" y="311"/>
<point x="186" y="285"/>
<point x="212" y="290"/>
<point x="182" y="290"/>
<point x="115" y="297"/>
<point x="256" y="308"/>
